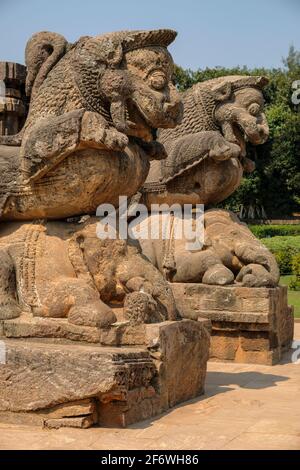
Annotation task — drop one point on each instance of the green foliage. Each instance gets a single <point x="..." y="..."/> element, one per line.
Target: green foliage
<point x="184" y="79"/>
<point x="284" y="261"/>
<point x="284" y="249"/>
<point x="293" y="296"/>
<point x="273" y="189"/>
<point x="296" y="265"/>
<point x="295" y="281"/>
<point x="266" y="231"/>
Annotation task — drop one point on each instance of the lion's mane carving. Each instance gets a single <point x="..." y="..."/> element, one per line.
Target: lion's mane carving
<point x="207" y="150"/>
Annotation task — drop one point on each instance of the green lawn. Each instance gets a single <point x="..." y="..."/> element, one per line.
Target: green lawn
<point x="293" y="296"/>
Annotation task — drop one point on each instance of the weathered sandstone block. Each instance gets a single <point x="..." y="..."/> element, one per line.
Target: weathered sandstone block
<point x="253" y="325"/>
<point x="58" y="383"/>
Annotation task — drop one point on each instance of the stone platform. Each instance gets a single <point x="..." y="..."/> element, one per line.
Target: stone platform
<point x="245" y="407"/>
<point x="56" y="382"/>
<point x="249" y="325"/>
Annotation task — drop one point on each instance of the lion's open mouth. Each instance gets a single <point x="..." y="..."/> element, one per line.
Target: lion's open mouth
<point x="241" y="137"/>
<point x="138" y="123"/>
<point x="256" y="136"/>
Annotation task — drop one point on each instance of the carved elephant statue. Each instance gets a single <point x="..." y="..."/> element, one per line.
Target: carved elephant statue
<point x="63" y="270"/>
<point x="230" y="253"/>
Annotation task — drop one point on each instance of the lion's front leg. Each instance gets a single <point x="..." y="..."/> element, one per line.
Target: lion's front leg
<point x="49" y="141"/>
<point x="200" y="145"/>
<point x="95" y="132"/>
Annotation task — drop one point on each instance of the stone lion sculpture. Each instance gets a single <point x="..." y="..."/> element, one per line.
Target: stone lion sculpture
<point x="88" y="138"/>
<point x="89" y="100"/>
<point x="205" y="164"/>
<point x="207" y="151"/>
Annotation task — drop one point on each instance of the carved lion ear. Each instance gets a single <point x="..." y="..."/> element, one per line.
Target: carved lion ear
<point x="261" y="82"/>
<point x="222" y="91"/>
<point x="105" y="49"/>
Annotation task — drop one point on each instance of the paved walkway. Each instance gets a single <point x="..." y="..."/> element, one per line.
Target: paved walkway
<point x="245" y="407"/>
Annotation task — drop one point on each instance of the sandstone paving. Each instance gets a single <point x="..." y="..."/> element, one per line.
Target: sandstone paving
<point x="262" y="441"/>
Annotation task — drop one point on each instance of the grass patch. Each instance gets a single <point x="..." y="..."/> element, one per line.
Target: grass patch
<point x="293" y="296"/>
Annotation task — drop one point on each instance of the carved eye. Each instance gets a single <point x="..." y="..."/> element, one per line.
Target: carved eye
<point x="158" y="80"/>
<point x="254" y="109"/>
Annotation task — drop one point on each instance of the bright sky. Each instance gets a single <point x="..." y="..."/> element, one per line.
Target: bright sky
<point x="211" y="32"/>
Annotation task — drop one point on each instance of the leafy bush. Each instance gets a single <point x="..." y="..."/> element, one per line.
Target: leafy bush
<point x="266" y="231"/>
<point x="296" y="265"/>
<point x="285" y="250"/>
<point x="284" y="260"/>
<point x="295" y="281"/>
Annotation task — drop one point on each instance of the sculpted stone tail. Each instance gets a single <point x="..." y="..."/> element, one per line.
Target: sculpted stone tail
<point x="43" y="51"/>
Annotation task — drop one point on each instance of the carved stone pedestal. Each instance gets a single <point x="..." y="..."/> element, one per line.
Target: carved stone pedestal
<point x="57" y="382"/>
<point x="250" y="325"/>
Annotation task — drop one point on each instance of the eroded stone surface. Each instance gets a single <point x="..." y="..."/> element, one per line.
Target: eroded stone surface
<point x="63" y="270"/>
<point x="222" y="251"/>
<point x="88" y="139"/>
<point x="244" y="407"/>
<point x="56" y="373"/>
<point x="85" y="131"/>
<point x="57" y="380"/>
<point x="253" y="325"/>
<point x="208" y="146"/>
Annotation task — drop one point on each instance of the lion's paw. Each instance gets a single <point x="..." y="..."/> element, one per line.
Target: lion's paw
<point x="224" y="150"/>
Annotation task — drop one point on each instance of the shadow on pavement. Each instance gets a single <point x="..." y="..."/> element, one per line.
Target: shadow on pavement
<point x="250" y="380"/>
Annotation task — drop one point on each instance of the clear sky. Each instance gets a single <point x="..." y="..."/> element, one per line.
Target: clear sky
<point x="211" y="32"/>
